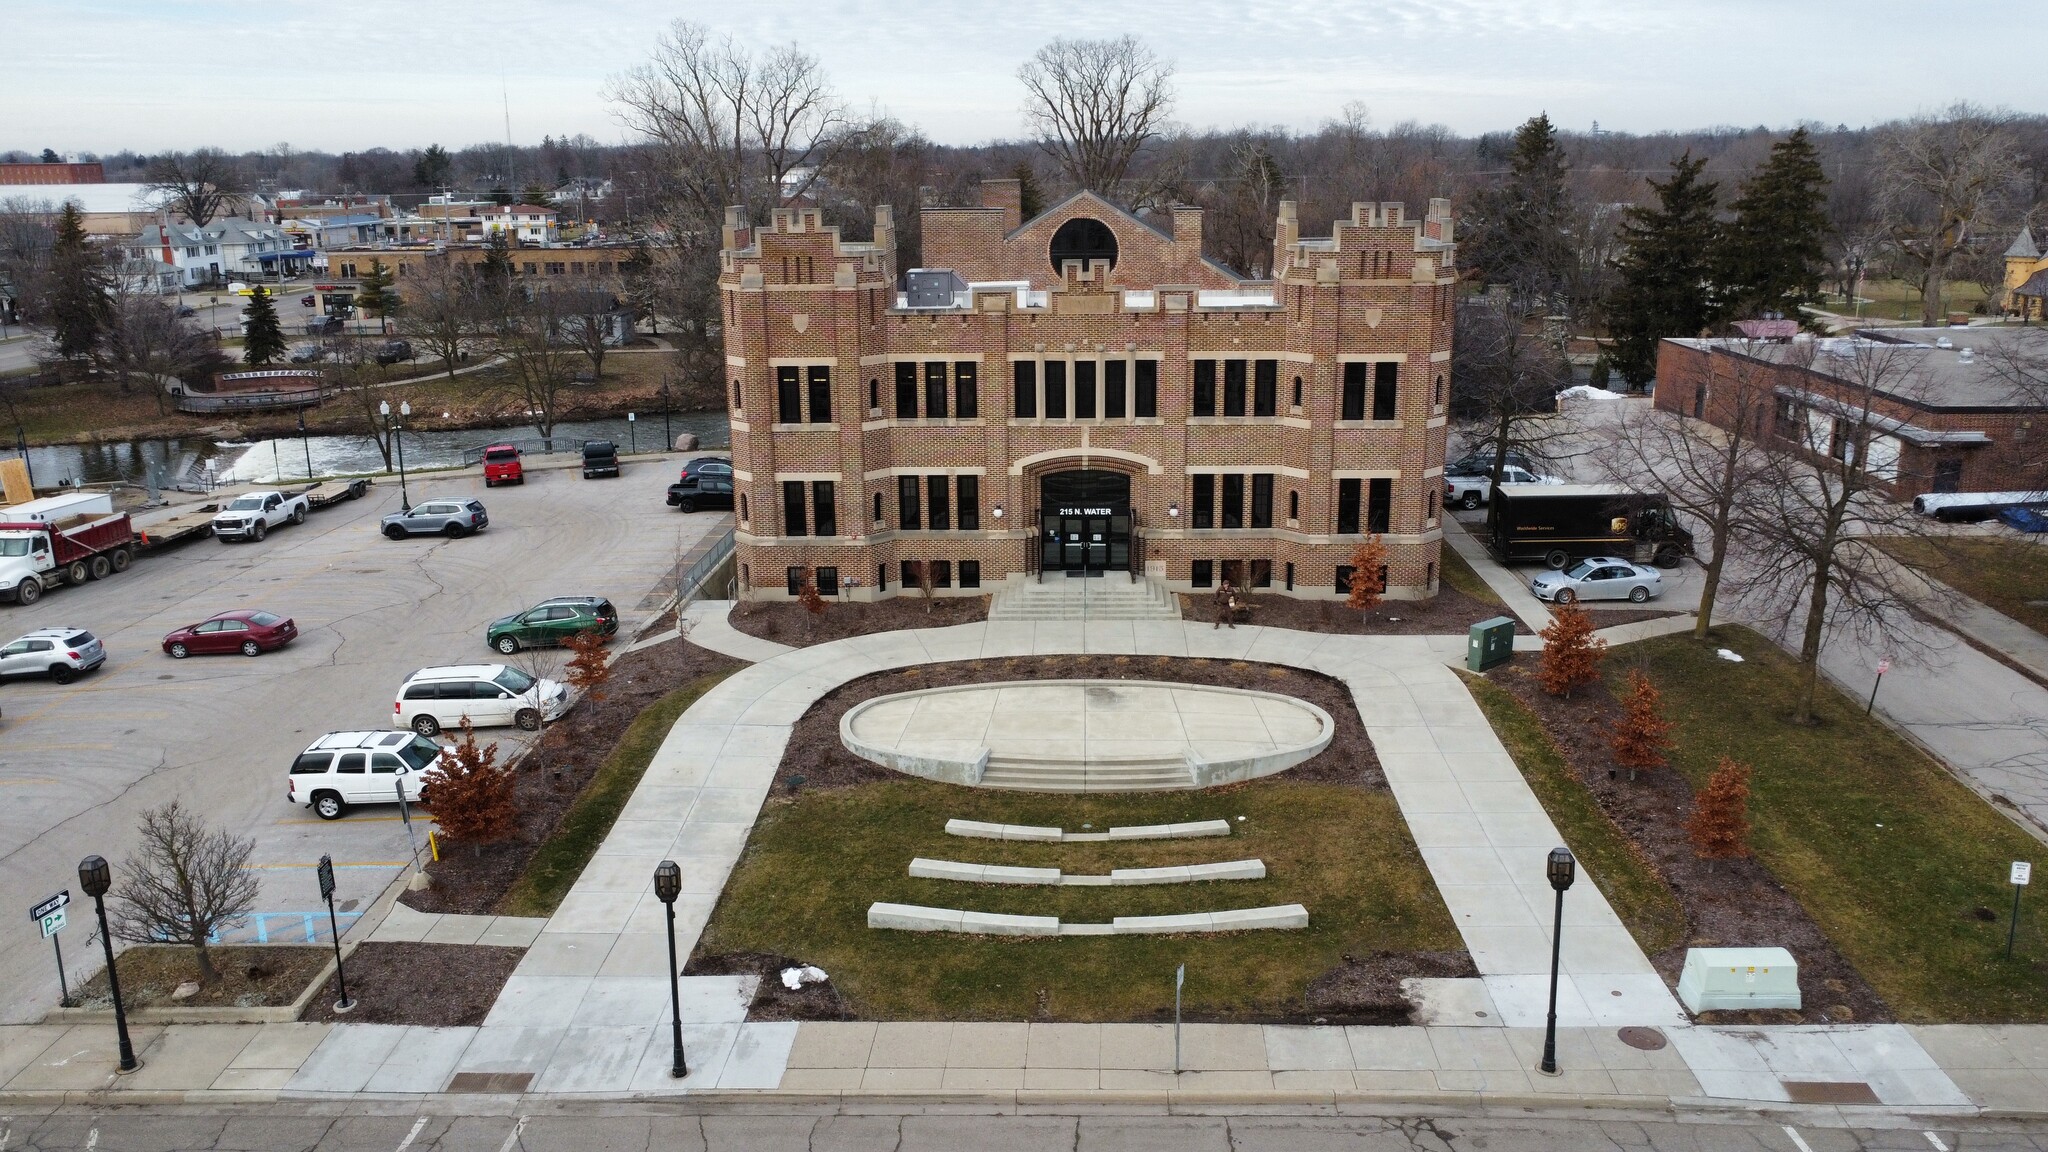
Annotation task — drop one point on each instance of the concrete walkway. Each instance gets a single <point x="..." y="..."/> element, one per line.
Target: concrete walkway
<point x="1505" y="584"/>
<point x="711" y="626"/>
<point x="404" y="924"/>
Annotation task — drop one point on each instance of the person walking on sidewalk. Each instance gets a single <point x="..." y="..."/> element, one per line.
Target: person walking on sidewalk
<point x="1226" y="605"/>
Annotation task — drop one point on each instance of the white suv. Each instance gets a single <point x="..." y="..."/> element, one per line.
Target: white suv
<point x="344" y="768"/>
<point x="485" y="694"/>
<point x="59" y="653"/>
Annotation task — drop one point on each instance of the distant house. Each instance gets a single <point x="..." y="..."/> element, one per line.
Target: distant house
<point x="2026" y="278"/>
<point x="189" y="254"/>
<point x="523" y="223"/>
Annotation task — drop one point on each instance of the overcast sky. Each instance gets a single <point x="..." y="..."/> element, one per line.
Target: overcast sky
<point x="103" y="75"/>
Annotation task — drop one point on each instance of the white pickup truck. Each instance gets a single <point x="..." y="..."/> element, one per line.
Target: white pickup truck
<point x="250" y="515"/>
<point x="1472" y="491"/>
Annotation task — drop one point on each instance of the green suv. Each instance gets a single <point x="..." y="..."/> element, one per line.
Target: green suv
<point x="551" y="622"/>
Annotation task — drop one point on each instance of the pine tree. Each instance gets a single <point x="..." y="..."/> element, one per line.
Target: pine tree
<point x="1368" y="574"/>
<point x="535" y="195"/>
<point x="264" y="340"/>
<point x="1668" y="270"/>
<point x="470" y="796"/>
<point x="1571" y="653"/>
<point x="431" y="168"/>
<point x="1521" y="227"/>
<point x="496" y="268"/>
<point x="1028" y="195"/>
<point x="1775" y="252"/>
<point x="501" y="196"/>
<point x="76" y="303"/>
<point x="374" y="295"/>
<point x="1641" y="735"/>
<point x="1719" y="825"/>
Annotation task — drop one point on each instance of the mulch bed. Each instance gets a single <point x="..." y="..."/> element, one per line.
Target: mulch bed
<point x="1368" y="990"/>
<point x="772" y="1001"/>
<point x="1448" y="613"/>
<point x="555" y="770"/>
<point x="815" y="757"/>
<point x="1738" y="904"/>
<point x="431" y="985"/>
<point x="251" y="976"/>
<point x="786" y="622"/>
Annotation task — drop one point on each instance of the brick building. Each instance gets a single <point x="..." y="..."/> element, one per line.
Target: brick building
<point x="1950" y="415"/>
<point x="1084" y="393"/>
<point x="90" y="172"/>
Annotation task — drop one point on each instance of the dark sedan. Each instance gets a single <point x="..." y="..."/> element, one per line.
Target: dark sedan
<point x="251" y="632"/>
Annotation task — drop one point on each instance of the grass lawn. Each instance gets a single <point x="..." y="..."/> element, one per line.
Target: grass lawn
<point x="1888" y="853"/>
<point x="2000" y="572"/>
<point x="1461" y="576"/>
<point x="551" y="872"/>
<point x="1632" y="886"/>
<point x="817" y="861"/>
<point x="1884" y="299"/>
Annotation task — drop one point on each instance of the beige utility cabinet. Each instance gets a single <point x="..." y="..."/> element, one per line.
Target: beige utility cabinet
<point x="1725" y="979"/>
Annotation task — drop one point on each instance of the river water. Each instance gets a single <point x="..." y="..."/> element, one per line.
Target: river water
<point x="190" y="459"/>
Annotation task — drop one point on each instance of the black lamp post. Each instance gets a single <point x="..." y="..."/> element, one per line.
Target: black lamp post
<point x="668" y="434"/>
<point x="95" y="877"/>
<point x="1561" y="869"/>
<point x="306" y="444"/>
<point x="397" y="433"/>
<point x="668" y="884"/>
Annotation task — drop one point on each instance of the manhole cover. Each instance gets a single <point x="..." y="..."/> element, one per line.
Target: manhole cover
<point x="1647" y="1039"/>
<point x="1830" y="1092"/>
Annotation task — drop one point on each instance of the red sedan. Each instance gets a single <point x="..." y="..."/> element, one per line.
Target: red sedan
<point x="251" y="633"/>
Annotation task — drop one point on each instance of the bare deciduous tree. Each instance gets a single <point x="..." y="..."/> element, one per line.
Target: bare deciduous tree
<point x="1505" y="380"/>
<point x="185" y="883"/>
<point x="1940" y="181"/>
<point x="445" y="311"/>
<point x="541" y="358"/>
<point x="200" y="184"/>
<point x="144" y="338"/>
<point x="1095" y="104"/>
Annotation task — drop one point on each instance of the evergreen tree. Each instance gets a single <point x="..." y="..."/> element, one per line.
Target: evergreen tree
<point x="1776" y="248"/>
<point x="1030" y="198"/>
<point x="76" y="301"/>
<point x="432" y="167"/>
<point x="534" y="194"/>
<point x="264" y="341"/>
<point x="1522" y="226"/>
<point x="501" y="196"/>
<point x="1667" y="270"/>
<point x="495" y="271"/>
<point x="374" y="295"/>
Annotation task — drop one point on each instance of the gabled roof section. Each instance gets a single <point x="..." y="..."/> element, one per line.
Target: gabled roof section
<point x="1092" y="199"/>
<point x="2023" y="246"/>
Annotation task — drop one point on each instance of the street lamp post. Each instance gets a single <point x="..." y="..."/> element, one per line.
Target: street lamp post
<point x="668" y="884"/>
<point x="668" y="435"/>
<point x="1561" y="869"/>
<point x="306" y="444"/>
<point x="95" y="877"/>
<point x="397" y="433"/>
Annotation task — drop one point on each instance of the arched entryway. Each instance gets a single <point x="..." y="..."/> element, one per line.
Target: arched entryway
<point x="1084" y="521"/>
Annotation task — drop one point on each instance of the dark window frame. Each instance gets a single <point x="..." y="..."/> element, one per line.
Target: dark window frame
<point x="967" y="502"/>
<point x="1386" y="390"/>
<point x="909" y="514"/>
<point x="966" y="391"/>
<point x="1204" y="403"/>
<point x="1353" y="400"/>
<point x="1233" y="388"/>
<point x="824" y="508"/>
<point x="1265" y="388"/>
<point x="970" y="573"/>
<point x="789" y="395"/>
<point x="1145" y="390"/>
<point x="906" y="390"/>
<point x="1024" y="390"/>
<point x="1202" y="500"/>
<point x="1201" y="573"/>
<point x="936" y="390"/>
<point x="1379" y="504"/>
<point x="1350" y="504"/>
<point x="818" y="378"/>
<point x="1262" y="500"/>
<point x="1055" y="389"/>
<point x="1114" y="390"/>
<point x="938" y="505"/>
<point x="1232" y="499"/>
<point x="1084" y="390"/>
<point x="793" y="521"/>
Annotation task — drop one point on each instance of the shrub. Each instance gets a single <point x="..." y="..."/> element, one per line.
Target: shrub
<point x="1368" y="574"/>
<point x="1719" y="825"/>
<point x="470" y="796"/>
<point x="1641" y="736"/>
<point x="1571" y="654"/>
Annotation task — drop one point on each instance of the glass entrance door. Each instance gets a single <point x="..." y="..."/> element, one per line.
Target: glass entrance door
<point x="1085" y="522"/>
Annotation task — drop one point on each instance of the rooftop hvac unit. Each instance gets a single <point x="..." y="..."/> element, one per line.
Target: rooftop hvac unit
<point x="932" y="287"/>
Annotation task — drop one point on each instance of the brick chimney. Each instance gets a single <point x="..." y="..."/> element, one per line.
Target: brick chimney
<point x="1007" y="195"/>
<point x="1187" y="226"/>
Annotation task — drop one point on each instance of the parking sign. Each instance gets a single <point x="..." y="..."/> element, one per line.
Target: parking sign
<point x="49" y="914"/>
<point x="2022" y="872"/>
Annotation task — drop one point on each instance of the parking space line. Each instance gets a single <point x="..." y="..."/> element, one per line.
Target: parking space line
<point x="352" y="864"/>
<point x="352" y="820"/>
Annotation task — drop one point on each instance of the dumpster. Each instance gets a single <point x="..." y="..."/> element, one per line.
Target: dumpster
<point x="1489" y="643"/>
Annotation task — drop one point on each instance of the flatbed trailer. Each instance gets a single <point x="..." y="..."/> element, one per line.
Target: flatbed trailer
<point x="195" y="521"/>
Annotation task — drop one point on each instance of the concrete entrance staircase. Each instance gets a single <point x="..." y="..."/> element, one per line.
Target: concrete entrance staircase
<point x="1031" y="774"/>
<point x="1061" y="597"/>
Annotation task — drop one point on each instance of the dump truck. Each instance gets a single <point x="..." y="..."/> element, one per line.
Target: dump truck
<point x="1560" y="523"/>
<point x="60" y="540"/>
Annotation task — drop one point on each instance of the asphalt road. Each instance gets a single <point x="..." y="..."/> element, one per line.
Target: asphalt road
<point x="768" y="1128"/>
<point x="79" y="763"/>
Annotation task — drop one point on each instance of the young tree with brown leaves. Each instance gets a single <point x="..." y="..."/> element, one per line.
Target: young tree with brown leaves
<point x="470" y="795"/>
<point x="807" y="595"/>
<point x="1719" y="825"/>
<point x="1571" y="653"/>
<point x="1368" y="574"/>
<point x="589" y="665"/>
<point x="1641" y="736"/>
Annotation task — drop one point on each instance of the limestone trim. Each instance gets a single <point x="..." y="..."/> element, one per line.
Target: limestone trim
<point x="1084" y="457"/>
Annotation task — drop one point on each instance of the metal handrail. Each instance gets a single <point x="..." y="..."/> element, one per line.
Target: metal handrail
<point x="1034" y="548"/>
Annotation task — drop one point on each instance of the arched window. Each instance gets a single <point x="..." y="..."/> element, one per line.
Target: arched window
<point x="1439" y="393"/>
<point x="1297" y="391"/>
<point x="743" y="506"/>
<point x="874" y="394"/>
<point x="1294" y="505"/>
<point x="1083" y="238"/>
<point x="1432" y="502"/>
<point x="736" y="405"/>
<point x="878" y="507"/>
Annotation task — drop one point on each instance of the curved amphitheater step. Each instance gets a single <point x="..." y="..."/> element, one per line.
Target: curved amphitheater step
<point x="1061" y="597"/>
<point x="1159" y="775"/>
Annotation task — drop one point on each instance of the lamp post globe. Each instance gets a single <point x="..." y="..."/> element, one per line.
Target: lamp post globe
<point x="1561" y="869"/>
<point x="96" y="878"/>
<point x="668" y="884"/>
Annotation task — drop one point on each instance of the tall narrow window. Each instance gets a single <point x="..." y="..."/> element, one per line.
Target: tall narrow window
<point x="1265" y="387"/>
<point x="1262" y="500"/>
<point x="824" y="508"/>
<point x="1146" y="402"/>
<point x="1354" y="392"/>
<point x="789" y="398"/>
<point x="942" y="573"/>
<point x="793" y="508"/>
<point x="878" y="509"/>
<point x="1026" y="404"/>
<point x="1385" y="380"/>
<point x="1205" y="388"/>
<point x="970" y="573"/>
<point x="874" y="395"/>
<point x="1204" y="500"/>
<point x="1233" y="387"/>
<point x="968" y="489"/>
<point x="1437" y="394"/>
<point x="1294" y="505"/>
<point x="795" y="577"/>
<point x="935" y="390"/>
<point x="1379" y="503"/>
<point x="1348" y="500"/>
<point x="938" y="509"/>
<point x="1084" y="389"/>
<point x="1202" y="573"/>
<point x="1297" y="391"/>
<point x="828" y="580"/>
<point x="1233" y="500"/>
<point x="1113" y="407"/>
<point x="821" y="393"/>
<point x="907" y="515"/>
<point x="906" y="391"/>
<point x="967" y="403"/>
<point x="1055" y="389"/>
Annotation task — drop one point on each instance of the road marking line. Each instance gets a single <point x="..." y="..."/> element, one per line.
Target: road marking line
<point x="352" y="820"/>
<point x="412" y="1135"/>
<point x="353" y="864"/>
<point x="511" y="1138"/>
<point x="92" y="1140"/>
<point x="1788" y="1131"/>
<point x="1936" y="1141"/>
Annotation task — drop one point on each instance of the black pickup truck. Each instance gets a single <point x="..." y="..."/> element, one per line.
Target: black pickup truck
<point x="600" y="458"/>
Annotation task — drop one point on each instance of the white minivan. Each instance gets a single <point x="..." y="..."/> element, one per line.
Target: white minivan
<point x="341" y="769"/>
<point x="484" y="694"/>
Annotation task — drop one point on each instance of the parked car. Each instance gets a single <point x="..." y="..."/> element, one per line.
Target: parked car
<point x="59" y="653"/>
<point x="706" y="466"/>
<point x="1481" y="463"/>
<point x="306" y="301"/>
<point x="551" y="622"/>
<point x="484" y="694"/>
<point x="342" y="769"/>
<point x="502" y="466"/>
<point x="307" y="354"/>
<point x="1599" y="578"/>
<point x="1472" y="491"/>
<point x="184" y="310"/>
<point x="701" y="492"/>
<point x="600" y="458"/>
<point x="251" y="632"/>
<point x="393" y="351"/>
<point x="451" y="518"/>
<point x="250" y="515"/>
<point x="324" y="326"/>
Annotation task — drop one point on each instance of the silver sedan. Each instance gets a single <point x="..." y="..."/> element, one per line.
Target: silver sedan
<point x="1599" y="578"/>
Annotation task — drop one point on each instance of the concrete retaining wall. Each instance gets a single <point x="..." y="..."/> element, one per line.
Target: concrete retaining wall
<point x="927" y="869"/>
<point x="915" y="918"/>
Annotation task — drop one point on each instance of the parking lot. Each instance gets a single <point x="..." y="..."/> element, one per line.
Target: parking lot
<point x="79" y="763"/>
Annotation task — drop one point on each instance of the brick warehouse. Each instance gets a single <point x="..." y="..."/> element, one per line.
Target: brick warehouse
<point x="1083" y="393"/>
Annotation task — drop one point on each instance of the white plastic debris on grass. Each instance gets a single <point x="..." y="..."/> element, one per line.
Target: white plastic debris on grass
<point x="1729" y="655"/>
<point x="1587" y="392"/>
<point x="794" y="978"/>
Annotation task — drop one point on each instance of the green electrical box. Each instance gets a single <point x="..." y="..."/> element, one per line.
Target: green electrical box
<point x="1490" y="642"/>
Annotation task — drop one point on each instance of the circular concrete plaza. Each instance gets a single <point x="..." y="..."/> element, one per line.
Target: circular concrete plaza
<point x="1087" y="735"/>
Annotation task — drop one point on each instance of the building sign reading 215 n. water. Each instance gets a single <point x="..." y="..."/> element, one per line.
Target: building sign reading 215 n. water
<point x="1086" y="511"/>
